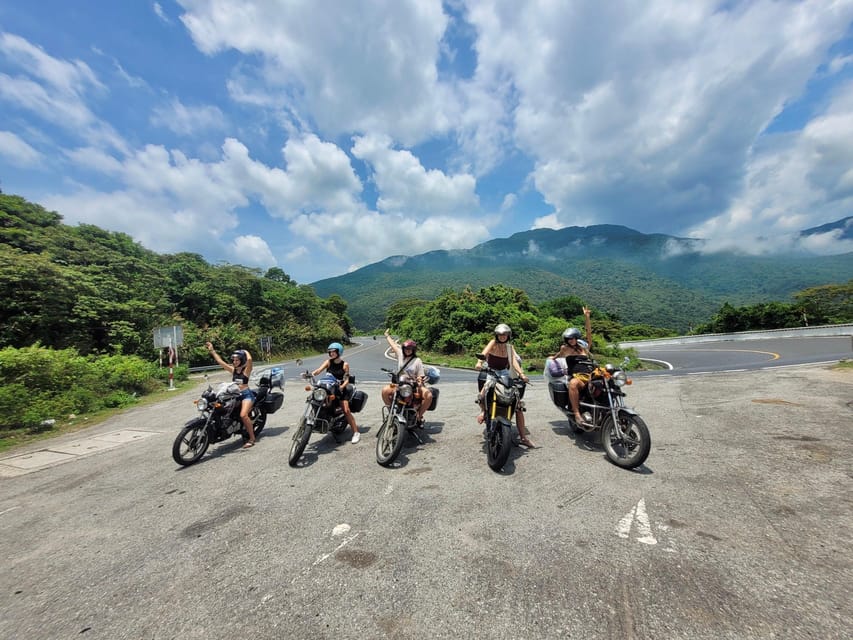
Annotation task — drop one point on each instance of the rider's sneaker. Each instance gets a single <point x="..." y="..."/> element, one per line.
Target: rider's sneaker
<point x="356" y="437"/>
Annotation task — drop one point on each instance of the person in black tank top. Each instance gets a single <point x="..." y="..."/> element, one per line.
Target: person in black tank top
<point x="500" y="354"/>
<point x="240" y="370"/>
<point x="577" y="362"/>
<point x="339" y="368"/>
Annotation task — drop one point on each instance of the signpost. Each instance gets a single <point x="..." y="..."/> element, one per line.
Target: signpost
<point x="266" y="347"/>
<point x="169" y="339"/>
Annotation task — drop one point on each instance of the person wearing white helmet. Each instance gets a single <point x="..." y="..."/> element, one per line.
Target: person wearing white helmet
<point x="577" y="357"/>
<point x="240" y="370"/>
<point x="339" y="368"/>
<point x="501" y="355"/>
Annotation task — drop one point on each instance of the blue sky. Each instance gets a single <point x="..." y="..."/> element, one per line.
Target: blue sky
<point x="320" y="136"/>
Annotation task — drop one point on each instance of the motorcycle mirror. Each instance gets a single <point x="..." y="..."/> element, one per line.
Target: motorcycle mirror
<point x="480" y="356"/>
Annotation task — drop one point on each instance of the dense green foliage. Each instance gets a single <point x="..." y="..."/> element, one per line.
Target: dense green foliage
<point x="39" y="384"/>
<point x="462" y="322"/>
<point x="827" y="304"/>
<point x="100" y="292"/>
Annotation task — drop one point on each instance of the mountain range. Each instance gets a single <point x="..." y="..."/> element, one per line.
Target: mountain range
<point x="654" y="279"/>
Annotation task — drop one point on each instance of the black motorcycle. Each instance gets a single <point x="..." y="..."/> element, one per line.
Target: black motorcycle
<point x="624" y="435"/>
<point x="323" y="412"/>
<point x="401" y="417"/>
<point x="501" y="396"/>
<point x="219" y="415"/>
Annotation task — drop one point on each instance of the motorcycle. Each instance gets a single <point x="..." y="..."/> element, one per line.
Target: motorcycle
<point x="323" y="412"/>
<point x="401" y="417"/>
<point x="624" y="435"/>
<point x="501" y="395"/>
<point x="219" y="415"/>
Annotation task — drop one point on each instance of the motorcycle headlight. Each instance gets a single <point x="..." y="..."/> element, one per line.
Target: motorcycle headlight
<point x="404" y="391"/>
<point x="201" y="403"/>
<point x="319" y="394"/>
<point x="620" y="378"/>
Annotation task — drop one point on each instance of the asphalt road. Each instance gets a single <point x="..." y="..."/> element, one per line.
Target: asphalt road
<point x="728" y="355"/>
<point x="738" y="526"/>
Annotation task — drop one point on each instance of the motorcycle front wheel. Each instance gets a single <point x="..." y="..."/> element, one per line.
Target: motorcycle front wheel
<point x="389" y="442"/>
<point x="627" y="442"/>
<point x="498" y="444"/>
<point x="300" y="441"/>
<point x="259" y="421"/>
<point x="190" y="445"/>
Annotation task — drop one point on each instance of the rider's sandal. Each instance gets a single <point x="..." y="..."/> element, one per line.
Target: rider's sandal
<point x="249" y="444"/>
<point x="527" y="442"/>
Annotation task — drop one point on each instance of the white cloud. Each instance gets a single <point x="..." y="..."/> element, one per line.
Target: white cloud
<point x="187" y="121"/>
<point x="793" y="181"/>
<point x="406" y="187"/>
<point x="158" y="10"/>
<point x="252" y="251"/>
<point x="375" y="71"/>
<point x="17" y="151"/>
<point x="647" y="111"/>
<point x="54" y="90"/>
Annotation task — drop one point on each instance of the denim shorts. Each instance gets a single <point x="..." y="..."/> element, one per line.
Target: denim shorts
<point x="247" y="394"/>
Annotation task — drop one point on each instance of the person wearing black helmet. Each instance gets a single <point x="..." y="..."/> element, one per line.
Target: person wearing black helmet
<point x="240" y="370"/>
<point x="410" y="367"/>
<point x="339" y="368"/>
<point x="501" y="355"/>
<point x="577" y="358"/>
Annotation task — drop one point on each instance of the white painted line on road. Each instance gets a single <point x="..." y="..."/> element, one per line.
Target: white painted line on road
<point x="639" y="516"/>
<point x="8" y="510"/>
<point x="324" y="557"/>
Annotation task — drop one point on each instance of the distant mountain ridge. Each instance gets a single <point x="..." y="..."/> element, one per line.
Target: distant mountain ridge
<point x="654" y="279"/>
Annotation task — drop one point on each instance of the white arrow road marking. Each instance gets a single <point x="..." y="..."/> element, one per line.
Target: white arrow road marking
<point x="644" y="528"/>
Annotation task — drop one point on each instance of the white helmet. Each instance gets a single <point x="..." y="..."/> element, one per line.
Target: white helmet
<point x="503" y="330"/>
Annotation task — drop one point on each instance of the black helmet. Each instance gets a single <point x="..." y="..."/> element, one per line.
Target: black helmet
<point x="503" y="330"/>
<point x="570" y="333"/>
<point x="240" y="355"/>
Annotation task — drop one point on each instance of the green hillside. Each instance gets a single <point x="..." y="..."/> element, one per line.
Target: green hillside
<point x="641" y="278"/>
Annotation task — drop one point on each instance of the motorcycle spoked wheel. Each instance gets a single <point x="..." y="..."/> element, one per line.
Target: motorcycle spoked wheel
<point x="626" y="443"/>
<point x="389" y="442"/>
<point x="498" y="444"/>
<point x="300" y="441"/>
<point x="259" y="421"/>
<point x="190" y="445"/>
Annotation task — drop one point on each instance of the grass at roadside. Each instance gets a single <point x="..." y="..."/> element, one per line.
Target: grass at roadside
<point x="12" y="438"/>
<point x="844" y="364"/>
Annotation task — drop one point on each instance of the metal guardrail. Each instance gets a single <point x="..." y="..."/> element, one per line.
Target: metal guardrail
<point x="793" y="332"/>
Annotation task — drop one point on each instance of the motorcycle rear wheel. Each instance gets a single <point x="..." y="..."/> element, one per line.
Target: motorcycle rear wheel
<point x="190" y="445"/>
<point x="300" y="441"/>
<point x="498" y="445"/>
<point x="389" y="442"/>
<point x="626" y="444"/>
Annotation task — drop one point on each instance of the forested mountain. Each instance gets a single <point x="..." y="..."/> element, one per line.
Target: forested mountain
<point x="96" y="291"/>
<point x="654" y="279"/>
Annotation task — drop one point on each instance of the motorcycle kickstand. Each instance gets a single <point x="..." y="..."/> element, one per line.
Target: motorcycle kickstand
<point x="415" y="435"/>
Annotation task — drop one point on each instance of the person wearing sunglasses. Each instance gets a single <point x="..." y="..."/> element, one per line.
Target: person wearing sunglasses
<point x="578" y="363"/>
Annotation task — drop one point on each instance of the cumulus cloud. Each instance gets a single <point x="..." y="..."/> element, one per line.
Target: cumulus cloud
<point x="406" y="187"/>
<point x="252" y="251"/>
<point x="789" y="177"/>
<point x="17" y="151"/>
<point x="648" y="111"/>
<point x="375" y="70"/>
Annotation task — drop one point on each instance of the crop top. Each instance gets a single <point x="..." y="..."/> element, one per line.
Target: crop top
<point x="239" y="376"/>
